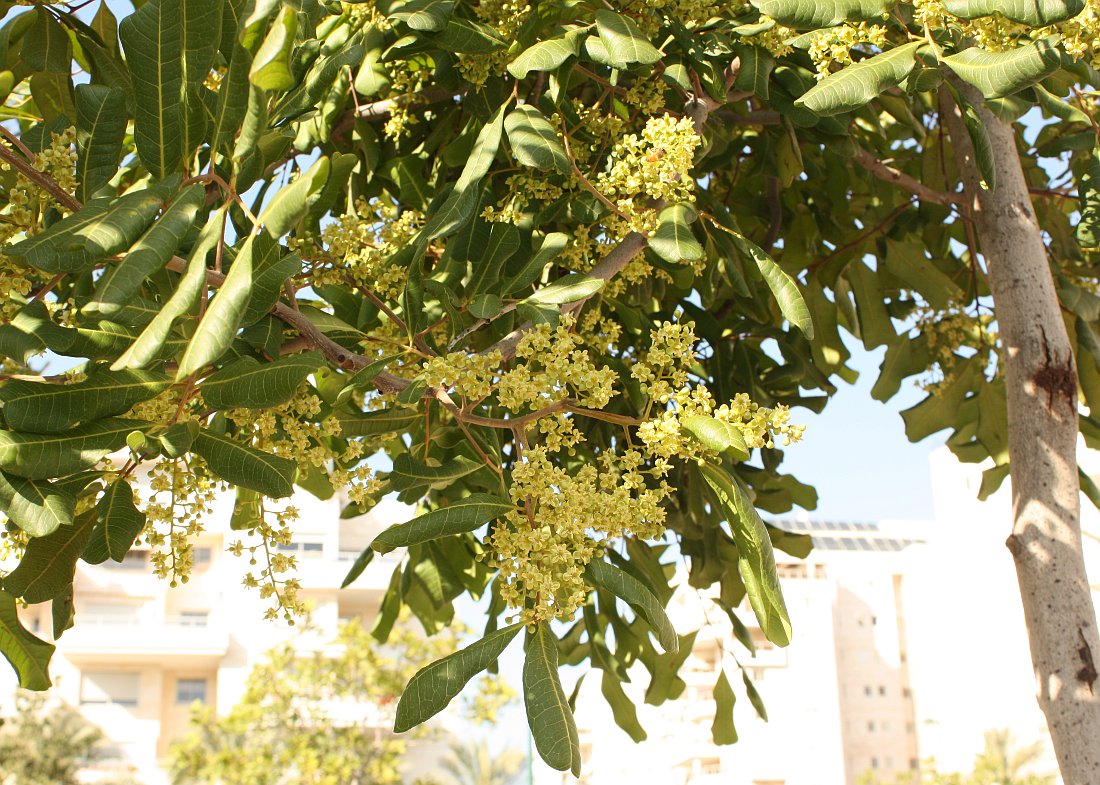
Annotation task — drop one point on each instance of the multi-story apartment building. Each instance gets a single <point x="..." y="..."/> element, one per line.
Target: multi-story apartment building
<point x="142" y="653"/>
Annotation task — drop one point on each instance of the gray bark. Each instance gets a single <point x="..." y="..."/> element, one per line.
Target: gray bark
<point x="1041" y="381"/>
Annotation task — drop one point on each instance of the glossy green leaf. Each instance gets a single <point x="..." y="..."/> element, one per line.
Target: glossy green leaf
<point x="983" y="148"/>
<point x="408" y="472"/>
<point x="463" y="515"/>
<point x="118" y="523"/>
<point x="435" y="685"/>
<point x="783" y="288"/>
<point x="35" y="506"/>
<point x="292" y="202"/>
<point x="459" y="206"/>
<point x="41" y="407"/>
<point x="101" y="228"/>
<point x="100" y="129"/>
<point x="857" y="85"/>
<point x="49" y="563"/>
<point x="251" y="384"/>
<point x="46" y="46"/>
<point x="722" y="729"/>
<point x="270" y="269"/>
<point x="1036" y="13"/>
<point x="376" y="423"/>
<point x="567" y="289"/>
<point x="153" y="40"/>
<point x="465" y="36"/>
<point x="122" y="281"/>
<point x="244" y="466"/>
<point x="534" y="141"/>
<point x="815" y="14"/>
<point x="28" y="655"/>
<point x="546" y="55"/>
<point x="548" y="714"/>
<point x="755" y="559"/>
<point x="360" y="564"/>
<point x="1088" y="194"/>
<point x="624" y="43"/>
<point x="717" y="435"/>
<point x="364" y="379"/>
<point x="552" y="245"/>
<point x="271" y="65"/>
<point x="997" y="74"/>
<point x="429" y="16"/>
<point x="183" y="300"/>
<point x="674" y="241"/>
<point x="632" y="591"/>
<point x="40" y="456"/>
<point x="622" y="708"/>
<point x="754" y="696"/>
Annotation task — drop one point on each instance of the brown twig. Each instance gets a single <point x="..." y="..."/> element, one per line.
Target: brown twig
<point x="899" y="178"/>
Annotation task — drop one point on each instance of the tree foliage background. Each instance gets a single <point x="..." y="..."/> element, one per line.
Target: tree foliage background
<point x="566" y="264"/>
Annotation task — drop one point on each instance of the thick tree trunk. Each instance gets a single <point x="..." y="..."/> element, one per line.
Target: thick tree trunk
<point x="1041" y="382"/>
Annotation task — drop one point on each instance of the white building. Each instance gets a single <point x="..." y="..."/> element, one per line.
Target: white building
<point x="142" y="653"/>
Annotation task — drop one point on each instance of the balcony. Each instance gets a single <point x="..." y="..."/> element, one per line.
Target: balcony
<point x="326" y="574"/>
<point x="192" y="639"/>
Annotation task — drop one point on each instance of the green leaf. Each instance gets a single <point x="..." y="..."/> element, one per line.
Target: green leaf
<point x="997" y="74"/>
<point x="177" y="438"/>
<point x="717" y="435"/>
<point x="46" y="46"/>
<point x="429" y="16"/>
<point x="270" y="269"/>
<point x="464" y="36"/>
<point x="28" y="655"/>
<point x="1036" y="13"/>
<point x="292" y="202"/>
<point x="722" y="729"/>
<point x="459" y="206"/>
<point x="41" y="456"/>
<point x="1088" y="194"/>
<point x="122" y="281"/>
<point x="548" y="715"/>
<point x="546" y="55"/>
<point x="464" y="515"/>
<point x="624" y="42"/>
<point x="634" y="592"/>
<point x="534" y="141"/>
<point x="153" y="40"/>
<point x="782" y="285"/>
<point x="35" y="506"/>
<point x="567" y="289"/>
<point x="103" y="227"/>
<point x="41" y="407"/>
<point x="100" y="129"/>
<point x="186" y="297"/>
<point x="754" y="696"/>
<point x="232" y="103"/>
<point x="118" y="523"/>
<point x="248" y="383"/>
<point x="271" y="64"/>
<point x="755" y="559"/>
<point x="408" y="472"/>
<point x="434" y="686"/>
<point x="62" y="613"/>
<point x="856" y="85"/>
<point x="815" y="14"/>
<point x="979" y="138"/>
<point x="364" y="378"/>
<point x="244" y="466"/>
<point x="552" y="246"/>
<point x="674" y="241"/>
<point x="364" y="559"/>
<point x="376" y="423"/>
<point x="49" y="563"/>
<point x="622" y="708"/>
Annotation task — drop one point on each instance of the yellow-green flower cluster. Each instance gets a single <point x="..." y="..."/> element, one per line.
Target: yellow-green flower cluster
<point x="563" y="521"/>
<point x="181" y="496"/>
<point x="948" y="331"/>
<point x="554" y="367"/>
<point x="272" y="529"/>
<point x="930" y="13"/>
<point x="1081" y="34"/>
<point x="665" y="365"/>
<point x="833" y="45"/>
<point x="654" y="166"/>
<point x="471" y="376"/>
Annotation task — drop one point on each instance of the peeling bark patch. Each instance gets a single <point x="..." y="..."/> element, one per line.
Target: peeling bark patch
<point x="1058" y="378"/>
<point x="1014" y="544"/>
<point x="1087" y="674"/>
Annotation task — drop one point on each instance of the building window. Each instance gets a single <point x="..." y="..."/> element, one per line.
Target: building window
<point x="118" y="687"/>
<point x="868" y="690"/>
<point x="305" y="550"/>
<point x="710" y="766"/>
<point x="914" y="764"/>
<point x="202" y="555"/>
<point x="870" y="726"/>
<point x="910" y="727"/>
<point x="190" y="690"/>
<point x="194" y="618"/>
<point x="874" y="763"/>
<point x="906" y="692"/>
<point x="881" y="689"/>
<point x="133" y="560"/>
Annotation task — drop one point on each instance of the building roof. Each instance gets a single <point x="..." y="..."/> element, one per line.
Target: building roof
<point x="845" y="535"/>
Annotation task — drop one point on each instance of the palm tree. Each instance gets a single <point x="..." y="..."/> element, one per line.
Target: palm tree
<point x="1003" y="763"/>
<point x="474" y="764"/>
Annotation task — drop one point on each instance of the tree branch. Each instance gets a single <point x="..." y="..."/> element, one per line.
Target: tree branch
<point x="902" y="180"/>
